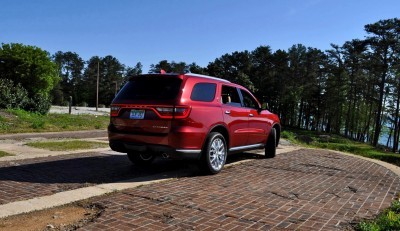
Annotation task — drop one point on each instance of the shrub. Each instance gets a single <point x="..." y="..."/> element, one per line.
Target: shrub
<point x="39" y="103"/>
<point x="11" y="95"/>
<point x="389" y="219"/>
<point x="288" y="135"/>
<point x="14" y="96"/>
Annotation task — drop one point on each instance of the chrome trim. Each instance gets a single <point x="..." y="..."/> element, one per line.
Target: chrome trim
<point x="207" y="77"/>
<point x="190" y="151"/>
<point x="246" y="147"/>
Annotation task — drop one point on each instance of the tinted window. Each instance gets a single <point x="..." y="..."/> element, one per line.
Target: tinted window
<point x="150" y="88"/>
<point x="248" y="100"/>
<point x="230" y="95"/>
<point x="203" y="92"/>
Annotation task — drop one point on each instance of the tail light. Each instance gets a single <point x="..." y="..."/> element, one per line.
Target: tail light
<point x="178" y="112"/>
<point x="114" y="110"/>
<point x="164" y="112"/>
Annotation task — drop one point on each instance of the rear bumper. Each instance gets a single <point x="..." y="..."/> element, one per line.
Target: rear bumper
<point x="179" y="143"/>
<point x="125" y="147"/>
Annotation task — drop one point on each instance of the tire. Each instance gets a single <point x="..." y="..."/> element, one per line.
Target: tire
<point x="270" y="146"/>
<point x="141" y="158"/>
<point x="214" y="154"/>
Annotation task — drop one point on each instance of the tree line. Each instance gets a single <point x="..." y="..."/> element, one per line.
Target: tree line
<point x="79" y="78"/>
<point x="352" y="89"/>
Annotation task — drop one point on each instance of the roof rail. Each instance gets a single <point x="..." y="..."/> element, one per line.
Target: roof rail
<point x="207" y="77"/>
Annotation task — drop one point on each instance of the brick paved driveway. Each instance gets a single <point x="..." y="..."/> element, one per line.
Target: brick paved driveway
<point x="302" y="190"/>
<point x="30" y="178"/>
<point x="26" y="179"/>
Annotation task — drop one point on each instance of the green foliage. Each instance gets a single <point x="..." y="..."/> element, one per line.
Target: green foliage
<point x="32" y="119"/>
<point x="368" y="226"/>
<point x="289" y="136"/>
<point x="17" y="121"/>
<point x="168" y="67"/>
<point x="111" y="78"/>
<point x="3" y="153"/>
<point x="383" y="41"/>
<point x="67" y="145"/>
<point x="4" y="125"/>
<point x="339" y="143"/>
<point x="132" y="71"/>
<point x="395" y="206"/>
<point x="70" y="67"/>
<point x="174" y="67"/>
<point x="387" y="220"/>
<point x="12" y="96"/>
<point x="39" y="103"/>
<point x="28" y="68"/>
<point x="235" y="67"/>
<point x="194" y="68"/>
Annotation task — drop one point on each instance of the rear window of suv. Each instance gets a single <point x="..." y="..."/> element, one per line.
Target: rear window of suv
<point x="203" y="92"/>
<point x="150" y="88"/>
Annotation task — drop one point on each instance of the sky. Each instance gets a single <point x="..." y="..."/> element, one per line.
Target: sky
<point x="199" y="31"/>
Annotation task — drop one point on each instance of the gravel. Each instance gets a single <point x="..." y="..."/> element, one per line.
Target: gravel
<point x="79" y="110"/>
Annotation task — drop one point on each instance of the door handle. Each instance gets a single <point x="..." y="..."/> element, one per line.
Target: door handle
<point x="251" y="115"/>
<point x="227" y="112"/>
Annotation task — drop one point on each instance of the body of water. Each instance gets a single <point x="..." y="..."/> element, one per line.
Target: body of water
<point x="383" y="140"/>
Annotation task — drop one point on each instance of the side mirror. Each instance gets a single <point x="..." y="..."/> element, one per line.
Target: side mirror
<point x="264" y="106"/>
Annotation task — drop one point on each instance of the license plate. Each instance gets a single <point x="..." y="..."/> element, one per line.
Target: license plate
<point x="136" y="114"/>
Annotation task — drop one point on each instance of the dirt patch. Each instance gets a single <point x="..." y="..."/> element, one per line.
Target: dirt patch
<point x="6" y="115"/>
<point x="69" y="217"/>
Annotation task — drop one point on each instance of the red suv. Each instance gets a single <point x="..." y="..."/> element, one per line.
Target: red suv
<point x="189" y="116"/>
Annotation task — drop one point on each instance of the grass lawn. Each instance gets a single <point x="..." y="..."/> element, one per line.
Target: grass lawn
<point x="67" y="145"/>
<point x="2" y="154"/>
<point x="389" y="219"/>
<point x="335" y="142"/>
<point x="19" y="121"/>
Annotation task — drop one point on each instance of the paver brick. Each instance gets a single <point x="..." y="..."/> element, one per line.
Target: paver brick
<point x="302" y="190"/>
<point x="30" y="178"/>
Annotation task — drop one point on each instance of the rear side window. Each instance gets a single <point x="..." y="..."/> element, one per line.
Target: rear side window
<point x="203" y="92"/>
<point x="150" y="88"/>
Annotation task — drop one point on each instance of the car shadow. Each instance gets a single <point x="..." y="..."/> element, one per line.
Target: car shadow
<point x="99" y="169"/>
<point x="243" y="156"/>
<point x="30" y="178"/>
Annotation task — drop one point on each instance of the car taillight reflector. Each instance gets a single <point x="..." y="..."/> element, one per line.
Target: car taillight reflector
<point x="173" y="112"/>
<point x="114" y="110"/>
<point x="165" y="111"/>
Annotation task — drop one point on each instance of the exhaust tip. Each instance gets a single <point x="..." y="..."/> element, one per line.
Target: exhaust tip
<point x="165" y="155"/>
